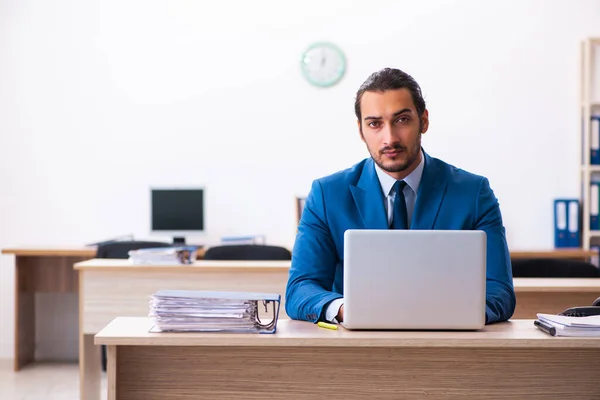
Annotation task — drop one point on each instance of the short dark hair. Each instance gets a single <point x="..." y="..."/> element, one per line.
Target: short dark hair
<point x="391" y="79"/>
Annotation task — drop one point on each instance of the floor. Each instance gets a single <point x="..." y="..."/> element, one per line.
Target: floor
<point x="42" y="381"/>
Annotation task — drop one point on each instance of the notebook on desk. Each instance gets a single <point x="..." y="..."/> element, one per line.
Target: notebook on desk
<point x="414" y="279"/>
<point x="560" y="325"/>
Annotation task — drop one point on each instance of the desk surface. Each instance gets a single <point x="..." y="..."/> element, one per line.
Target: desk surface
<point x="61" y="251"/>
<point x="46" y="251"/>
<point x="134" y="331"/>
<point x="85" y="251"/>
<point x="106" y="264"/>
<point x="557" y="285"/>
<point x="554" y="254"/>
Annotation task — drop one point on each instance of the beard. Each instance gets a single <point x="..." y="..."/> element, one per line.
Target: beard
<point x="402" y="161"/>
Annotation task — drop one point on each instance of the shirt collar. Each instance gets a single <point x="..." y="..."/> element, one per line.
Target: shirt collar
<point x="413" y="180"/>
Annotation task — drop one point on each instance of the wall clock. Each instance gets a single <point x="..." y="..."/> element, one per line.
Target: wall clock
<point x="323" y="64"/>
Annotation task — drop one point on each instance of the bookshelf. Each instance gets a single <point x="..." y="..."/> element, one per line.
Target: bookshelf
<point x="589" y="105"/>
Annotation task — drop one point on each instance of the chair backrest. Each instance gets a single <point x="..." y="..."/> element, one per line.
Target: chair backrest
<point x="247" y="252"/>
<point x="121" y="249"/>
<point x="553" y="268"/>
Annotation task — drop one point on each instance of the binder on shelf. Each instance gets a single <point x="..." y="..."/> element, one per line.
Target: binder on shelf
<point x="595" y="259"/>
<point x="594" y="206"/>
<point x="573" y="223"/>
<point x="208" y="311"/>
<point x="560" y="223"/>
<point x="595" y="140"/>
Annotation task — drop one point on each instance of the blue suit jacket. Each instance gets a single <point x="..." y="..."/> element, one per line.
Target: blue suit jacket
<point x="448" y="198"/>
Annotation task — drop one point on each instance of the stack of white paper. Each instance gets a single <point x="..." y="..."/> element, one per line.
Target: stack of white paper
<point x="164" y="255"/>
<point x="241" y="240"/>
<point x="572" y="326"/>
<point x="186" y="310"/>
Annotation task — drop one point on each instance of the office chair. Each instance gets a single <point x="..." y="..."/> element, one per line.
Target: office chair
<point x="247" y="252"/>
<point x="553" y="268"/>
<point x="121" y="250"/>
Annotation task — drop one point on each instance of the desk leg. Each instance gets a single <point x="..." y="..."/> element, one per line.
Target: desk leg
<point x="90" y="374"/>
<point x="111" y="371"/>
<point x="24" y="315"/>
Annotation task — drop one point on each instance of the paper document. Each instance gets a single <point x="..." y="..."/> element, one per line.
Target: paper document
<point x="572" y="326"/>
<point x="201" y="311"/>
<point x="164" y="255"/>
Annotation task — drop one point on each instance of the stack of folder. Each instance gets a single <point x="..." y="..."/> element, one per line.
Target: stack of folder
<point x="560" y="325"/>
<point x="164" y="255"/>
<point x="567" y="227"/>
<point x="205" y="311"/>
<point x="241" y="240"/>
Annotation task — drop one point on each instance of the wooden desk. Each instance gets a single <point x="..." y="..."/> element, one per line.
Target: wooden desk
<point x="41" y="270"/>
<point x="112" y="288"/>
<point x="511" y="360"/>
<point x="569" y="254"/>
<point x="553" y="295"/>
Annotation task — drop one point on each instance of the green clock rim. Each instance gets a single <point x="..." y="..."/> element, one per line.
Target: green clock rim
<point x="334" y="48"/>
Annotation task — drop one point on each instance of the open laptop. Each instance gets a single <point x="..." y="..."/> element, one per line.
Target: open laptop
<point x="414" y="279"/>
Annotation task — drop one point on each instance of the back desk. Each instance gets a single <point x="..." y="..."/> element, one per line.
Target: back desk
<point x="113" y="288"/>
<point x="117" y="288"/>
<point x="42" y="269"/>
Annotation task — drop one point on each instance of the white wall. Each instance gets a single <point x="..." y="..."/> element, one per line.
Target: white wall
<point x="101" y="99"/>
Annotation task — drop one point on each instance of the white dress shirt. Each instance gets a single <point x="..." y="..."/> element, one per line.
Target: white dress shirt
<point x="413" y="180"/>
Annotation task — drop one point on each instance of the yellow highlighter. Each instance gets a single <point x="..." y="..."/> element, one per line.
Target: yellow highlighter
<point x="327" y="326"/>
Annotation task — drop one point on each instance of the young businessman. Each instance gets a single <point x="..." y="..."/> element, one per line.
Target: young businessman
<point x="398" y="187"/>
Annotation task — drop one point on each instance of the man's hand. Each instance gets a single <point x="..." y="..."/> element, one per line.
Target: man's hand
<point x="340" y="315"/>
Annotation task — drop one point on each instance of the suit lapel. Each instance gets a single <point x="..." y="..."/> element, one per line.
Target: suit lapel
<point x="369" y="199"/>
<point x="430" y="195"/>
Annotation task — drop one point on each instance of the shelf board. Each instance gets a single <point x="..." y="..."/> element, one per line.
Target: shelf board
<point x="594" y="233"/>
<point x="592" y="104"/>
<point x="591" y="168"/>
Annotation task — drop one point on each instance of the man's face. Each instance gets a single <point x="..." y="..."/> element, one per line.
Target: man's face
<point x="391" y="129"/>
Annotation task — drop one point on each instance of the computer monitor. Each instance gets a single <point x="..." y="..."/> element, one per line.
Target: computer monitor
<point x="177" y="212"/>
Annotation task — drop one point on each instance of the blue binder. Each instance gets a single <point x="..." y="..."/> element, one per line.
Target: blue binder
<point x="595" y="260"/>
<point x="595" y="140"/>
<point x="594" y="206"/>
<point x="560" y="223"/>
<point x="574" y="224"/>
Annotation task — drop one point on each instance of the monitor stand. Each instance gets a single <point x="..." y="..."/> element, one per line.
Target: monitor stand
<point x="179" y="240"/>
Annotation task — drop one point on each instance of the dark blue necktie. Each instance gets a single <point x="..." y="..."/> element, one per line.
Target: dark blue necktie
<point x="400" y="218"/>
